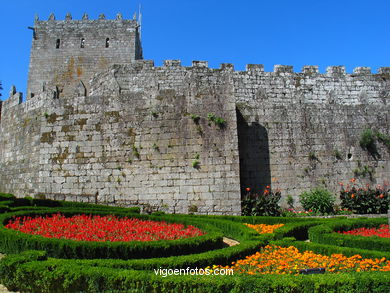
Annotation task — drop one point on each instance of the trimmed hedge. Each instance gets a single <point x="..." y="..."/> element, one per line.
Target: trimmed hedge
<point x="14" y="241"/>
<point x="24" y="273"/>
<point x="6" y="196"/>
<point x="296" y="230"/>
<point x="3" y="208"/>
<point x="29" y="202"/>
<point x="331" y="249"/>
<point x="223" y="257"/>
<point x="106" y="209"/>
<point x="326" y="234"/>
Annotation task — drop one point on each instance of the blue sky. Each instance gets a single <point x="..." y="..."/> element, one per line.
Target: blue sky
<point x="317" y="32"/>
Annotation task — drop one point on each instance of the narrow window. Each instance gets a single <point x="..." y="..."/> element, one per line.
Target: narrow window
<point x="107" y="42"/>
<point x="82" y="43"/>
<point x="58" y="42"/>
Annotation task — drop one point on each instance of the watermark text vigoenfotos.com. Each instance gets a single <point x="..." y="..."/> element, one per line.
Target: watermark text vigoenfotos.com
<point x="193" y="272"/>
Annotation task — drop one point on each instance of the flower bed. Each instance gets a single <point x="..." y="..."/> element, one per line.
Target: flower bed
<point x="382" y="231"/>
<point x="101" y="228"/>
<point x="264" y="228"/>
<point x="327" y="234"/>
<point x="288" y="260"/>
<point x="13" y="241"/>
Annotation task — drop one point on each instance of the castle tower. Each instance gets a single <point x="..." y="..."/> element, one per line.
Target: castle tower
<point x="69" y="52"/>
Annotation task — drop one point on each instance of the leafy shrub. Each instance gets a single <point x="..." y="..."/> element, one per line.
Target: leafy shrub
<point x="218" y="121"/>
<point x="318" y="200"/>
<point x="261" y="204"/>
<point x="195" y="118"/>
<point x="366" y="200"/>
<point x="4" y="209"/>
<point x="385" y="139"/>
<point x="312" y="156"/>
<point x="290" y="201"/>
<point x="367" y="139"/>
<point x="31" y="203"/>
<point x="363" y="171"/>
<point x="337" y="155"/>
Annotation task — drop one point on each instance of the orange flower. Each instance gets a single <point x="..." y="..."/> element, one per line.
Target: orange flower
<point x="352" y="195"/>
<point x="247" y="189"/>
<point x="352" y="180"/>
<point x="264" y="228"/>
<point x="381" y="196"/>
<point x="288" y="260"/>
<point x="268" y="187"/>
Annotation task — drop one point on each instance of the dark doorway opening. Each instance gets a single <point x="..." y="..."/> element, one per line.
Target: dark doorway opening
<point x="253" y="147"/>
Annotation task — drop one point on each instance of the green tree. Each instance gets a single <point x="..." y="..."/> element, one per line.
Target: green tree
<point x="1" y="88"/>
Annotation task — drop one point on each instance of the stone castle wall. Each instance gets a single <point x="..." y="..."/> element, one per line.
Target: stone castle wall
<point x="19" y="144"/>
<point x="304" y="128"/>
<point x="134" y="140"/>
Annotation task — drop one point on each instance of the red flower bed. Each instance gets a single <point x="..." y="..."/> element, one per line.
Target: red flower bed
<point x="101" y="228"/>
<point x="383" y="231"/>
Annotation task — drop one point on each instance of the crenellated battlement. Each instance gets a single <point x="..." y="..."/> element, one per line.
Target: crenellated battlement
<point x="14" y="98"/>
<point x="310" y="73"/>
<point x="85" y="18"/>
<point x="331" y="71"/>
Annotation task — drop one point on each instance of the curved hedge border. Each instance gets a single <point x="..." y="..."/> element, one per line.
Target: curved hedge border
<point x="27" y="203"/>
<point x="32" y="273"/>
<point x="6" y="196"/>
<point x="325" y="234"/>
<point x="290" y="234"/>
<point x="12" y="241"/>
<point x="326" y="249"/>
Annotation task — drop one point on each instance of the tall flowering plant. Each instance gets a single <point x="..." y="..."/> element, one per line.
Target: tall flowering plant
<point x="365" y="200"/>
<point x="261" y="204"/>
